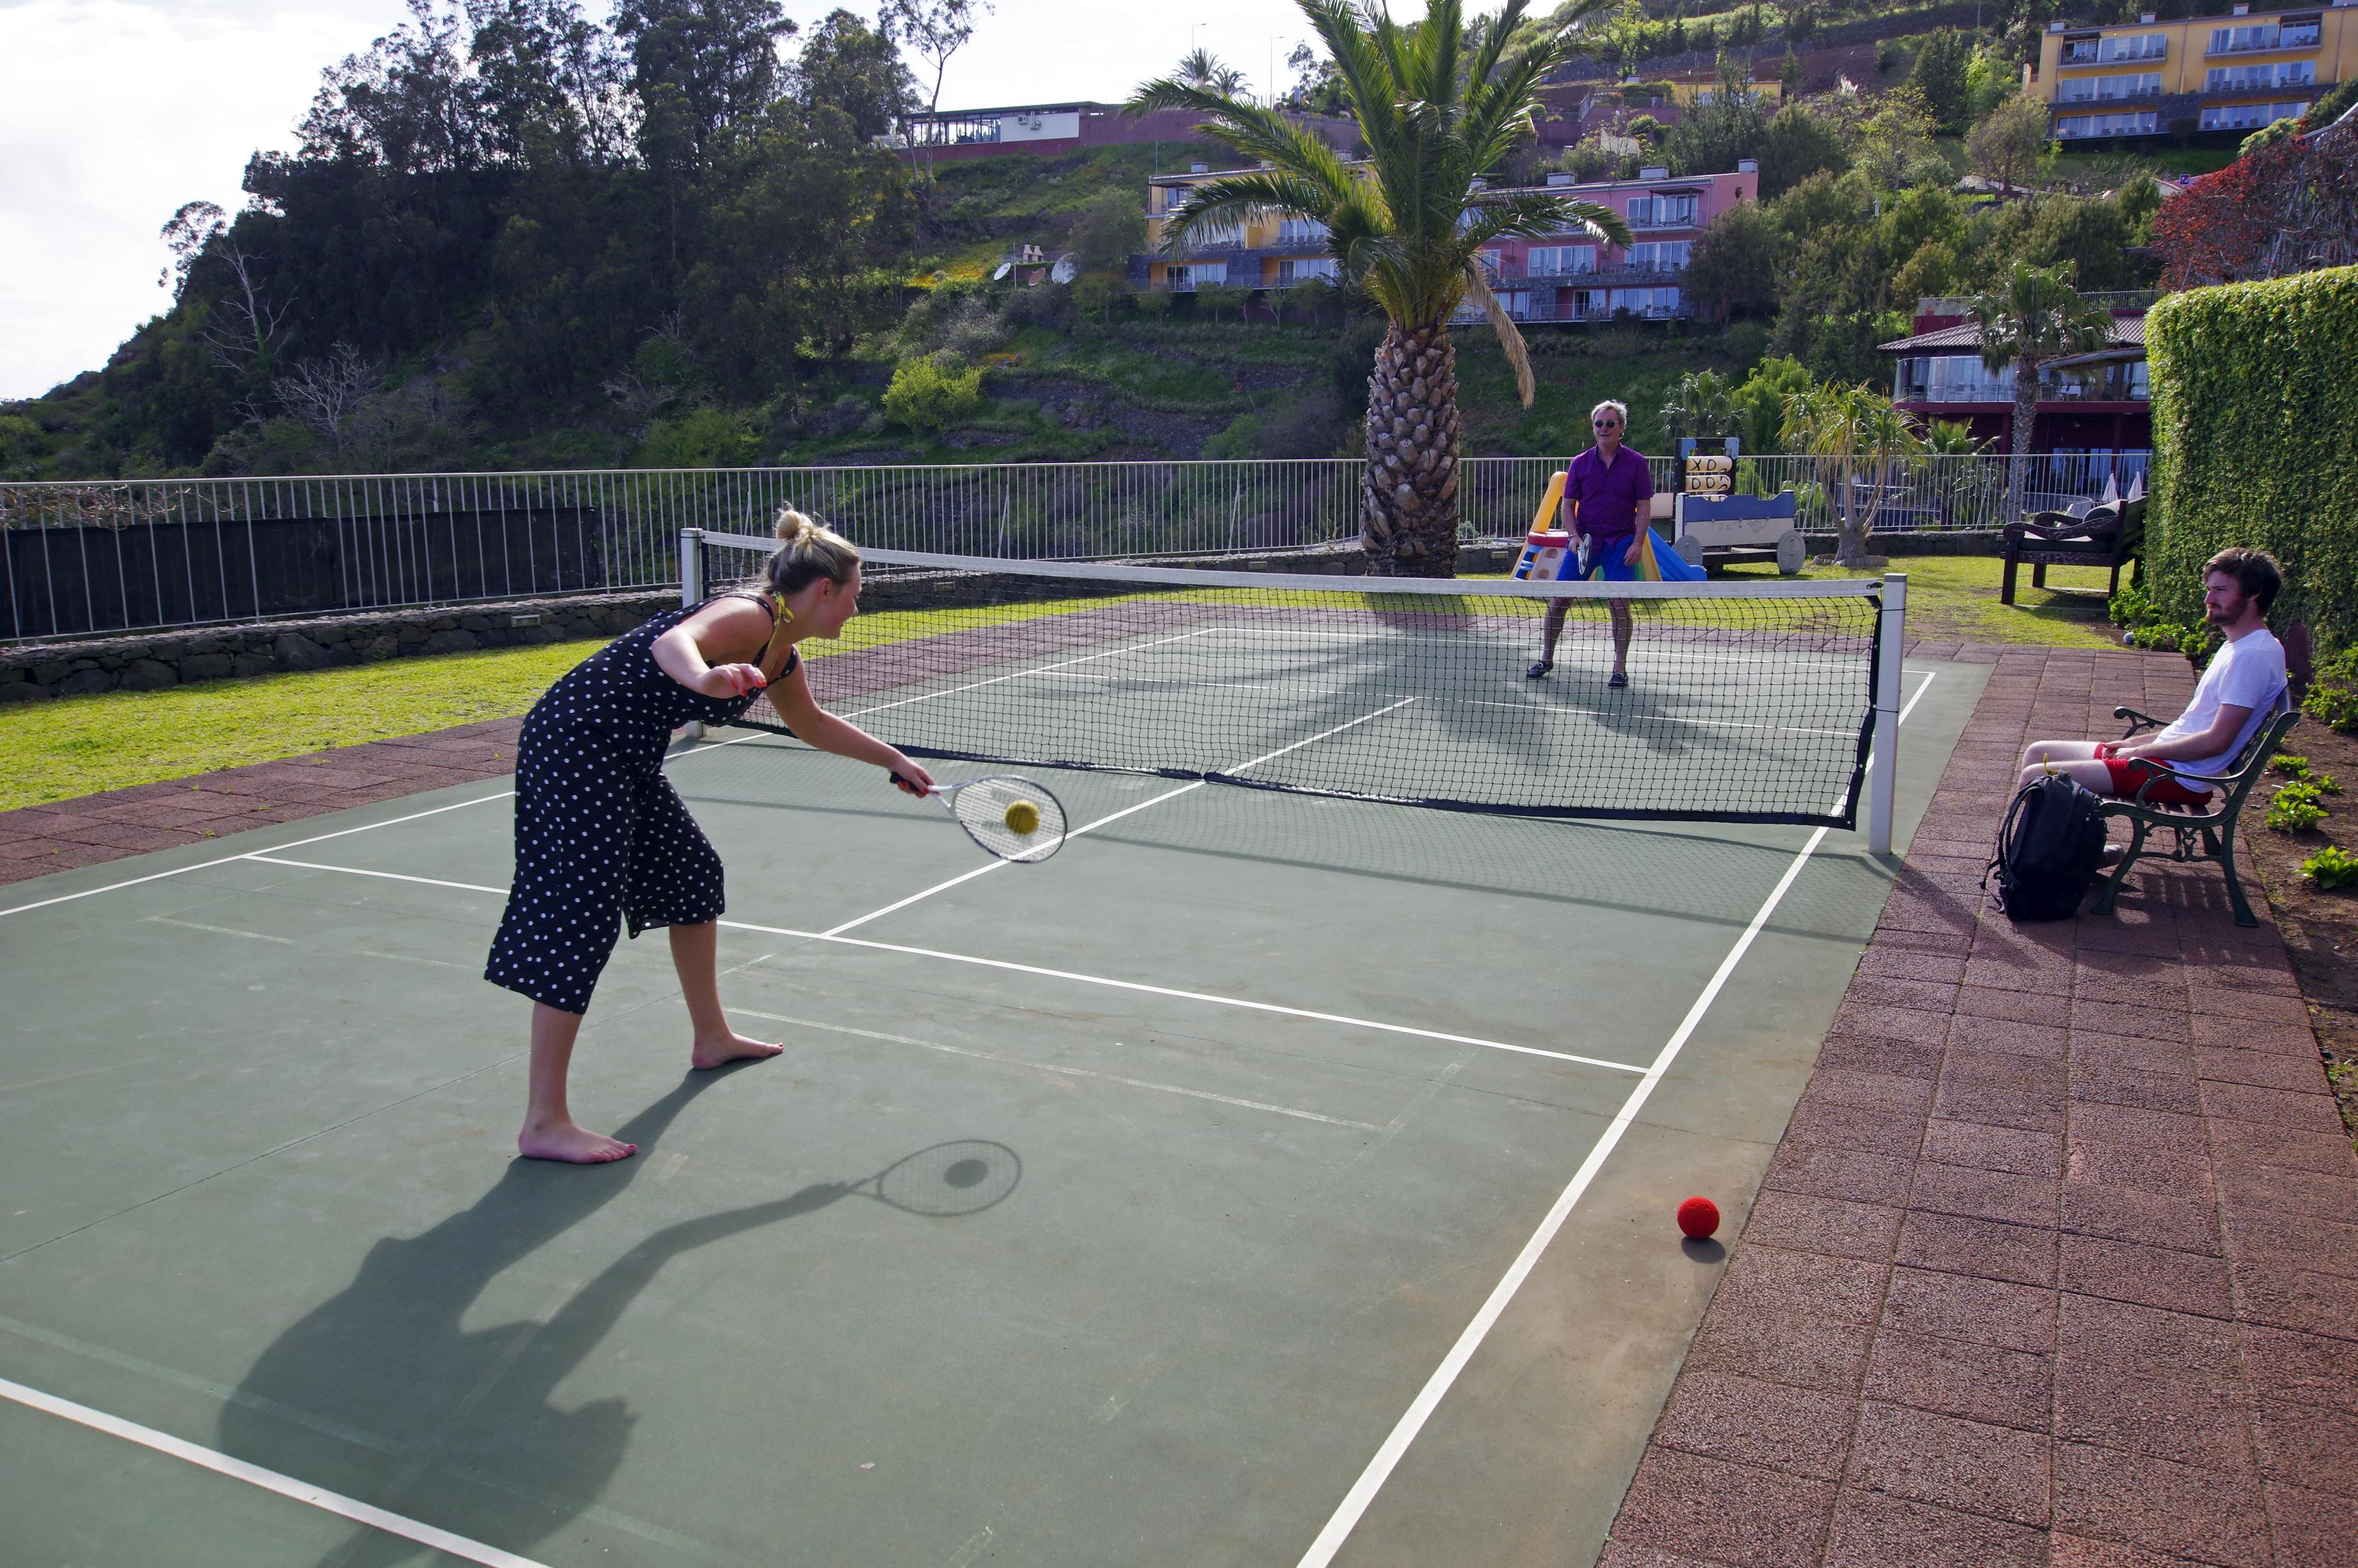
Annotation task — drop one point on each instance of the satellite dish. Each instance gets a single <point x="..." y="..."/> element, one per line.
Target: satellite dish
<point x="1004" y="268"/>
<point x="1067" y="268"/>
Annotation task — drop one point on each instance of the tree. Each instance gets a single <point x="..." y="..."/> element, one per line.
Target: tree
<point x="1201" y="68"/>
<point x="1702" y="404"/>
<point x="325" y="394"/>
<point x="1408" y="230"/>
<point x="2029" y="317"/>
<point x="1109" y="231"/>
<point x="929" y="396"/>
<point x="702" y="66"/>
<point x="1760" y="403"/>
<point x="549" y="82"/>
<point x="1863" y="444"/>
<point x="2285" y="207"/>
<point x="935" y="29"/>
<point x="1896" y="138"/>
<point x="252" y="326"/>
<point x="855" y="68"/>
<point x="1736" y="262"/>
<point x="409" y="104"/>
<point x="1940" y="75"/>
<point x="2011" y="146"/>
<point x="1710" y="137"/>
<point x="1797" y="144"/>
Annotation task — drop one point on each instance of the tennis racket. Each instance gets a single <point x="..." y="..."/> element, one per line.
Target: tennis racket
<point x="1013" y="818"/>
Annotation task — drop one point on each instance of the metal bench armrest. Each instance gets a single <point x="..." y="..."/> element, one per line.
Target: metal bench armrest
<point x="2136" y="721"/>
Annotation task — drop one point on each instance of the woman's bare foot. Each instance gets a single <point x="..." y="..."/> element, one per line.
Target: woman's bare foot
<point x="574" y="1145"/>
<point x="719" y="1050"/>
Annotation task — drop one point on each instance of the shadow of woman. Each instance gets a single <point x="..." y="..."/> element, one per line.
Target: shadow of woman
<point x="386" y="1364"/>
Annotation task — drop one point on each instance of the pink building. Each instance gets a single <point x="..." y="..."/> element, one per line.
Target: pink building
<point x="1573" y="277"/>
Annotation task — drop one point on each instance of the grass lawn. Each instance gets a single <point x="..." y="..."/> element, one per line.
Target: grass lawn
<point x="83" y="745"/>
<point x="1954" y="599"/>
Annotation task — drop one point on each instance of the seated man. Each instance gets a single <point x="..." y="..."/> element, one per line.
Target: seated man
<point x="2243" y="682"/>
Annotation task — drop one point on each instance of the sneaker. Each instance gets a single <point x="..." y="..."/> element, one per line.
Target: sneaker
<point x="1620" y="679"/>
<point x="1538" y="669"/>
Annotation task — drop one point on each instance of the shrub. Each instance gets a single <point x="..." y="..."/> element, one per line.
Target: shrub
<point x="2330" y="867"/>
<point x="2290" y="766"/>
<point x="2253" y="404"/>
<point x="930" y="395"/>
<point x="2333" y="698"/>
<point x="2295" y="808"/>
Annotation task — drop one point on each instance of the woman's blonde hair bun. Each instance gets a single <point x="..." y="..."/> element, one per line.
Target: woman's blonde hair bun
<point x="807" y="550"/>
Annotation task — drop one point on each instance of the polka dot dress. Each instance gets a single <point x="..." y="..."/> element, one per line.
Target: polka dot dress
<point x="602" y="837"/>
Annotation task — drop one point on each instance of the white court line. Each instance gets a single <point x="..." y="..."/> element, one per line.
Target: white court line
<point x="1100" y="822"/>
<point x="1053" y="1070"/>
<point x="269" y="1480"/>
<point x="291" y="942"/>
<point x="1033" y="969"/>
<point x="1192" y="996"/>
<point x="231" y="859"/>
<point x="1355" y="1503"/>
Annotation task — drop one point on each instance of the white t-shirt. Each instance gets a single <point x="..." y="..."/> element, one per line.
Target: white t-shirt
<point x="2246" y="672"/>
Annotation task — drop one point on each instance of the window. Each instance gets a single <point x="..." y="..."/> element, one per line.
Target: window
<point x="1304" y="269"/>
<point x="1196" y="275"/>
<point x="1560" y="261"/>
<point x="1221" y="236"/>
<point x="2250" y="116"/>
<point x="2109" y="88"/>
<point x="1301" y="232"/>
<point x="1661" y="254"/>
<point x="1653" y="303"/>
<point x="1952" y="378"/>
<point x="2104" y="51"/>
<point x="2259" y="78"/>
<point x="1662" y="213"/>
<point x="2289" y="33"/>
<point x="2134" y="122"/>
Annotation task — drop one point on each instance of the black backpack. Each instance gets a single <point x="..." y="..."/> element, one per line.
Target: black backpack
<point x="2047" y="849"/>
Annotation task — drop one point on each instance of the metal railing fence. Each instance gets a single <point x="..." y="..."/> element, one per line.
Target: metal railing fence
<point x="89" y="557"/>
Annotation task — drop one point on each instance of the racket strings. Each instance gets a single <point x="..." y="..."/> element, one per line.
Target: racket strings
<point x="991" y="811"/>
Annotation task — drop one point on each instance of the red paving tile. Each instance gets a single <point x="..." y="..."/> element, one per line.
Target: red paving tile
<point x="2095" y="1169"/>
<point x="37" y="839"/>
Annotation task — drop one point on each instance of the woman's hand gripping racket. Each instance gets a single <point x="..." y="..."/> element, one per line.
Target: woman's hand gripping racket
<point x="1014" y="817"/>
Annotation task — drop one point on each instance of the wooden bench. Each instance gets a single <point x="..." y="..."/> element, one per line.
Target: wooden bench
<point x="2108" y="535"/>
<point x="2205" y="832"/>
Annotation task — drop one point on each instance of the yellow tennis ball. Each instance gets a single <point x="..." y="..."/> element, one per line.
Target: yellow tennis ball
<point x="1023" y="816"/>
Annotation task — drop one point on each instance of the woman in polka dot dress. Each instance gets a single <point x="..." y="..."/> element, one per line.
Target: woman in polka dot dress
<point x="602" y="837"/>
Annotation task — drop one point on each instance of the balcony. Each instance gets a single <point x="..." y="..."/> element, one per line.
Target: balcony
<point x="2113" y="51"/>
<point x="2261" y="40"/>
<point x="2066" y="99"/>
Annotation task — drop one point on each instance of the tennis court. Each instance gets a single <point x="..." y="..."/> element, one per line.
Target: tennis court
<point x="1268" y="1178"/>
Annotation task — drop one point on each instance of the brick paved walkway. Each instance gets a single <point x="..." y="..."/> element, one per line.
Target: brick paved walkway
<point x="2057" y="1261"/>
<point x="37" y="839"/>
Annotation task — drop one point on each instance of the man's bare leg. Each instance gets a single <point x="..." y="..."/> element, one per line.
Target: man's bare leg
<point x="1624" y="625"/>
<point x="1551" y="629"/>
<point x="2094" y="776"/>
<point x="2039" y="752"/>
<point x="696" y="955"/>
<point x="549" y="1131"/>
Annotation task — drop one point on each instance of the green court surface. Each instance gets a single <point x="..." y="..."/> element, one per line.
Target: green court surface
<point x="1263" y="1180"/>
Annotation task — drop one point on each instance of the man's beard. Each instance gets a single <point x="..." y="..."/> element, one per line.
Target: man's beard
<point x="2227" y="617"/>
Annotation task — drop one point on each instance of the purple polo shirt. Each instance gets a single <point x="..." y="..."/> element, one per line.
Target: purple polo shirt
<point x="1616" y="501"/>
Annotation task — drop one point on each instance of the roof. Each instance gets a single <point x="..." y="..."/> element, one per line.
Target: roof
<point x="2128" y="332"/>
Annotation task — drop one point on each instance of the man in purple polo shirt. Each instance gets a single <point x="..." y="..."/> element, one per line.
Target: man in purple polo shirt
<point x="1608" y="492"/>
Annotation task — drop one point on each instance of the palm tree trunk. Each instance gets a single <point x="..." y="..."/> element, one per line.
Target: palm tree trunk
<point x="2025" y="412"/>
<point x="1409" y="521"/>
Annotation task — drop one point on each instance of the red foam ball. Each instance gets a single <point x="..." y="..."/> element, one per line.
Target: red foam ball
<point x="1699" y="1217"/>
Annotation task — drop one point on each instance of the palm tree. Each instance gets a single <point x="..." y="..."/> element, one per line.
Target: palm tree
<point x="1202" y="69"/>
<point x="1407" y="228"/>
<point x="2031" y="315"/>
<point x="1862" y="444"/>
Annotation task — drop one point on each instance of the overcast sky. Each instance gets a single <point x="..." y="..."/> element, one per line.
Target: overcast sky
<point x="114" y="111"/>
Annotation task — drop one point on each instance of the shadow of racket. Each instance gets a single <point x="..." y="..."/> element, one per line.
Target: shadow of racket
<point x="963" y="1176"/>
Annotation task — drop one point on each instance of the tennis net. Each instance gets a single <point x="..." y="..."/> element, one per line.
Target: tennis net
<point x="1745" y="701"/>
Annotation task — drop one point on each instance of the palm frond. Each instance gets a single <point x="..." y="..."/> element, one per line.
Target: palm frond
<point x="1231" y="198"/>
<point x="1510" y="337"/>
<point x="1529" y="215"/>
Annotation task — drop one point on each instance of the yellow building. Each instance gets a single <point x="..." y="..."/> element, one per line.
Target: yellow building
<point x="2231" y="74"/>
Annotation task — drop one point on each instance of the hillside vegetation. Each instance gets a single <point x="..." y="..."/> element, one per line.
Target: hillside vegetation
<point x="510" y="237"/>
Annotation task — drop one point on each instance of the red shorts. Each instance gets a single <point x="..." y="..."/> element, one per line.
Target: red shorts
<point x="2130" y="773"/>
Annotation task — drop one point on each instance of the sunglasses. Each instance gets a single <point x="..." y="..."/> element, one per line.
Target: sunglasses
<point x="1607" y="424"/>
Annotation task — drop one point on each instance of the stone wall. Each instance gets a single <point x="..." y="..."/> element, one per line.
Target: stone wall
<point x="151" y="661"/>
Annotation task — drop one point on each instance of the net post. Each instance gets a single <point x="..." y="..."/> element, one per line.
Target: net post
<point x="691" y="591"/>
<point x="1891" y="648"/>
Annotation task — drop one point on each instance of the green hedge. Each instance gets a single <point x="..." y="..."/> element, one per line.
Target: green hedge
<point x="2256" y="442"/>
